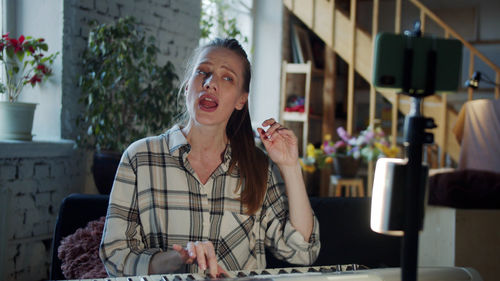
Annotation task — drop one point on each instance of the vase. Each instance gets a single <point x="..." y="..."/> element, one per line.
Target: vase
<point x="104" y="170"/>
<point x="16" y="120"/>
<point x="346" y="166"/>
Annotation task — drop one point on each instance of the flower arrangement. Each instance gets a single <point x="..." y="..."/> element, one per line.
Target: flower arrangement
<point x="369" y="145"/>
<point x="24" y="63"/>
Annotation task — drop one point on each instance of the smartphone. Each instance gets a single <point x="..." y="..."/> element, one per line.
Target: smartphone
<point x="401" y="59"/>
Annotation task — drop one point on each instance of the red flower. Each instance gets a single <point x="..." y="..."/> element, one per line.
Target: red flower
<point x="42" y="68"/>
<point x="16" y="44"/>
<point x="35" y="79"/>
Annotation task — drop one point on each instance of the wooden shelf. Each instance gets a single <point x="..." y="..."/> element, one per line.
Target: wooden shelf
<point x="303" y="78"/>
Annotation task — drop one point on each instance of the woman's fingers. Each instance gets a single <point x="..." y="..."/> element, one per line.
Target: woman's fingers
<point x="274" y="127"/>
<point x="211" y="258"/>
<point x="204" y="255"/>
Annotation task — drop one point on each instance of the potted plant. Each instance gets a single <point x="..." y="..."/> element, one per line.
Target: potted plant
<point x="24" y="62"/>
<point x="347" y="153"/>
<point x="126" y="95"/>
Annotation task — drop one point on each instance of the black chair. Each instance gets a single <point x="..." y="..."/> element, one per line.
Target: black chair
<point x="346" y="237"/>
<point x="75" y="212"/>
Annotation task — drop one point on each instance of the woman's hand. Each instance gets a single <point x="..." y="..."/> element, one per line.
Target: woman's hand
<point x="202" y="253"/>
<point x="280" y="143"/>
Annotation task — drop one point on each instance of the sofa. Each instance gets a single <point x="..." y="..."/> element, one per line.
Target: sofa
<point x="345" y="234"/>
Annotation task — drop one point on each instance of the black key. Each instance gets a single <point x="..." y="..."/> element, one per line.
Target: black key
<point x="253" y="273"/>
<point x="282" y="271"/>
<point x="144" y="278"/>
<point x="312" y="269"/>
<point x="325" y="269"/>
<point x="241" y="274"/>
<point x="295" y="271"/>
<point x="334" y="268"/>
<point x="190" y="277"/>
<point x="164" y="278"/>
<point x="222" y="275"/>
<point x="264" y="272"/>
<point x="177" y="278"/>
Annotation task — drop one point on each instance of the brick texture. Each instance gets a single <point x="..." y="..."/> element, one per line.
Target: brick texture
<point x="33" y="189"/>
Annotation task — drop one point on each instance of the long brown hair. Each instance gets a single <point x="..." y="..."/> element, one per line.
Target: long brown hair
<point x="251" y="161"/>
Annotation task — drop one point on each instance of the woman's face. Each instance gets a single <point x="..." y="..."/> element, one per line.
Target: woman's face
<point x="215" y="87"/>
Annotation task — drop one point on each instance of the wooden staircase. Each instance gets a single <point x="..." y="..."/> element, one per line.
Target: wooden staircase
<point x="341" y="34"/>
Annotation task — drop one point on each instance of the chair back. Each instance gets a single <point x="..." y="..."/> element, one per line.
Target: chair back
<point x="76" y="211"/>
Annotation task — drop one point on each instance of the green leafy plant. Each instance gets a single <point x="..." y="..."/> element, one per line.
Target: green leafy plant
<point x="216" y="22"/>
<point x="125" y="93"/>
<point x="25" y="62"/>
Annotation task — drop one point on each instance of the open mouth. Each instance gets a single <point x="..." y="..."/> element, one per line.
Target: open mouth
<point x="208" y="103"/>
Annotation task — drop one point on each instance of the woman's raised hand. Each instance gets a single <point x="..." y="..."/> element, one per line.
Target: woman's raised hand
<point x="280" y="143"/>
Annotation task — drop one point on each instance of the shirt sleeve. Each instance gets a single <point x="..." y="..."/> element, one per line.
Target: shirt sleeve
<point x="284" y="241"/>
<point x="122" y="247"/>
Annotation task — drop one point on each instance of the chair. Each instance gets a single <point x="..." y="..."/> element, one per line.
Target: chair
<point x="76" y="211"/>
<point x="353" y="187"/>
<point x="346" y="237"/>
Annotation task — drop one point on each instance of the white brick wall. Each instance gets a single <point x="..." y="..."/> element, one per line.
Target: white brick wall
<point x="35" y="177"/>
<point x="32" y="186"/>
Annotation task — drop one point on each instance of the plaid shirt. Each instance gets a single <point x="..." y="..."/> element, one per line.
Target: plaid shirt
<point x="157" y="200"/>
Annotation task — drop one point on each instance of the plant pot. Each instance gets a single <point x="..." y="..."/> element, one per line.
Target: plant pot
<point x="346" y="166"/>
<point x="16" y="120"/>
<point x="104" y="170"/>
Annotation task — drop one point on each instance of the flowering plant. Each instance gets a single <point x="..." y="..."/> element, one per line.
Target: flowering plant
<point x="24" y="63"/>
<point x="369" y="145"/>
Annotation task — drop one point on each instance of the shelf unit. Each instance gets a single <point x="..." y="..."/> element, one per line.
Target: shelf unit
<point x="303" y="80"/>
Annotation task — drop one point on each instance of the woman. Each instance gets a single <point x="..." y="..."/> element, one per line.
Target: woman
<point x="201" y="196"/>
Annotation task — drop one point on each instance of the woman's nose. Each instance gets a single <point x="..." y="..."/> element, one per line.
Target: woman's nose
<point x="210" y="82"/>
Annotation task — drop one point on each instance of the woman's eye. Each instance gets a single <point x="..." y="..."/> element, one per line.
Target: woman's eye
<point x="227" y="78"/>
<point x="201" y="72"/>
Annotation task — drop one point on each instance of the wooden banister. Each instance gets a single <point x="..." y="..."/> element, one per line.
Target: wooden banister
<point x="453" y="33"/>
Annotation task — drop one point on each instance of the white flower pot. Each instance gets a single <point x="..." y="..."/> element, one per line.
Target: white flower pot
<point x="16" y="120"/>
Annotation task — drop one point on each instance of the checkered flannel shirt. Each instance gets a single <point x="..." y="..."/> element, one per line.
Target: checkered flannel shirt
<point x="157" y="200"/>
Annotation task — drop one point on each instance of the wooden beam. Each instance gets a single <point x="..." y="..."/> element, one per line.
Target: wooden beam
<point x="324" y="20"/>
<point x="443" y="123"/>
<point x="497" y="87"/>
<point x="373" y="93"/>
<point x="373" y="96"/>
<point x="470" y="91"/>
<point x="468" y="45"/>
<point x="351" y="73"/>
<point x="394" y="123"/>
<point x="328" y="124"/>
<point x="422" y="21"/>
<point x="397" y="17"/>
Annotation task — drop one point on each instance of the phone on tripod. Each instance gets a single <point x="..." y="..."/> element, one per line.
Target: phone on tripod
<point x="423" y="60"/>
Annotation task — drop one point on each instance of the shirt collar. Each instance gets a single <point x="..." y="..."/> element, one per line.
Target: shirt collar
<point x="176" y="139"/>
<point x="178" y="145"/>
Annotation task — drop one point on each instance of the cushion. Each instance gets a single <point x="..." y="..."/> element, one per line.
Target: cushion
<point x="466" y="189"/>
<point x="79" y="252"/>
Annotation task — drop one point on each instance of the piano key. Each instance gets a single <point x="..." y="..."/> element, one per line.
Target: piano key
<point x="282" y="271"/>
<point x="241" y="274"/>
<point x="312" y="269"/>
